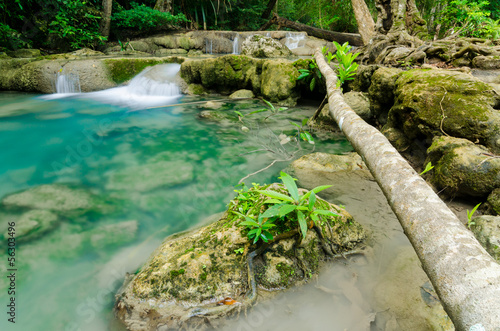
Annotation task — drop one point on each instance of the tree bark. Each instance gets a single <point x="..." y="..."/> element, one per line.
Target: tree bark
<point x="164" y="6"/>
<point x="107" y="6"/>
<point x="366" y="25"/>
<point x="269" y="8"/>
<point x="353" y="38"/>
<point x="396" y="16"/>
<point x="465" y="277"/>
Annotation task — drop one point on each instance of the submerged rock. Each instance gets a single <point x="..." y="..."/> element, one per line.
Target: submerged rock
<point x="63" y="200"/>
<point x="110" y="235"/>
<point x="462" y="167"/>
<point x="185" y="282"/>
<point x="241" y="94"/>
<point x="261" y="46"/>
<point x="149" y="176"/>
<point x="29" y="225"/>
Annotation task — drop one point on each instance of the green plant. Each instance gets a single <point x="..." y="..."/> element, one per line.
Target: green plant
<point x="346" y="65"/>
<point x="281" y="208"/>
<point x="470" y="222"/>
<point x="145" y="19"/>
<point x="273" y="110"/>
<point x="428" y="167"/>
<point x="123" y="47"/>
<point x="302" y="133"/>
<point x="310" y="75"/>
<point x="467" y="18"/>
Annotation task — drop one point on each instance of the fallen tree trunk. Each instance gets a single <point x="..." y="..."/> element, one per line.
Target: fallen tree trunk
<point x="465" y="276"/>
<point x="353" y="38"/>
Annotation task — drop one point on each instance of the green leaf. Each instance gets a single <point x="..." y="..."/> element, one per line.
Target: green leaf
<point x="428" y="168"/>
<point x="252" y="232"/>
<point x="326" y="212"/>
<point x="315" y="190"/>
<point x="312" y="200"/>
<point x="269" y="104"/>
<point x="302" y="223"/>
<point x="238" y="113"/>
<point x="277" y="195"/>
<point x="290" y="185"/>
<point x="312" y="84"/>
<point x="250" y="222"/>
<point x="273" y="201"/>
<point x="258" y="111"/>
<point x="271" y="211"/>
<point x="286" y="209"/>
<point x="304" y="121"/>
<point x="308" y="137"/>
<point x="303" y="75"/>
<point x="293" y="123"/>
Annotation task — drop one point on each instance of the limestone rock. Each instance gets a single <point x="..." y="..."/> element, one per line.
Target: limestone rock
<point x="167" y="51"/>
<point x="469" y="106"/>
<point x="242" y="94"/>
<point x="463" y="167"/>
<point x="212" y="105"/>
<point x="494" y="200"/>
<point x="24" y="53"/>
<point x="151" y="175"/>
<point x="381" y="91"/>
<point x="87" y="52"/>
<point x="184" y="278"/>
<point x="487" y="231"/>
<point x="486" y="62"/>
<point x="31" y="224"/>
<point x="279" y="78"/>
<point x="360" y="103"/>
<point x="264" y="47"/>
<point x="60" y="199"/>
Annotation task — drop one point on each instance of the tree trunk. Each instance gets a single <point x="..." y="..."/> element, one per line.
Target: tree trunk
<point x="270" y="6"/>
<point x="465" y="277"/>
<point x="107" y="6"/>
<point x="353" y="38"/>
<point x="397" y="16"/>
<point x="164" y="6"/>
<point x="366" y="25"/>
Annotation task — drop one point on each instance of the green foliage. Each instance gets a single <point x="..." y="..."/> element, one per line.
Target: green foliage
<point x="75" y="24"/>
<point x="279" y="210"/>
<point x="302" y="133"/>
<point x="11" y="39"/>
<point x="428" y="167"/>
<point x="144" y="19"/>
<point x="311" y="75"/>
<point x="469" y="18"/>
<point x="470" y="222"/>
<point x="123" y="47"/>
<point x="346" y="65"/>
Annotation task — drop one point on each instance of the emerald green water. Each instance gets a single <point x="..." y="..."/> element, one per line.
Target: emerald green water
<point x="66" y="278"/>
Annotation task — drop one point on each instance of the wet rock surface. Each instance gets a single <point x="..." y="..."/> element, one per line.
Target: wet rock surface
<point x="191" y="272"/>
<point x="264" y="47"/>
<point x="486" y="228"/>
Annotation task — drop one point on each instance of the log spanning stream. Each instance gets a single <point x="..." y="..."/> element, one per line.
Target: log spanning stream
<point x="105" y="180"/>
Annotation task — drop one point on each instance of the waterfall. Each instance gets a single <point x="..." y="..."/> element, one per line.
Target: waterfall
<point x="236" y="46"/>
<point x="293" y="39"/>
<point x="154" y="87"/>
<point x="67" y="83"/>
<point x="208" y="46"/>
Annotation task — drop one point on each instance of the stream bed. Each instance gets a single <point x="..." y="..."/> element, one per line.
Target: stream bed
<point x="158" y="169"/>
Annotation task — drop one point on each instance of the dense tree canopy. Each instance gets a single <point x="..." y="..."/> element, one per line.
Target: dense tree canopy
<point x="72" y="24"/>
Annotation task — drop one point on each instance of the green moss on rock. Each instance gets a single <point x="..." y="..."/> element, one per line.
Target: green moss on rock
<point x="122" y="70"/>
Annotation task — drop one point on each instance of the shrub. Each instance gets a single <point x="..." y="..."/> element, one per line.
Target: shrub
<point x="144" y="19"/>
<point x="11" y="39"/>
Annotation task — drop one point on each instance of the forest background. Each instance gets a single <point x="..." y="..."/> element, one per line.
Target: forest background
<point x="65" y="25"/>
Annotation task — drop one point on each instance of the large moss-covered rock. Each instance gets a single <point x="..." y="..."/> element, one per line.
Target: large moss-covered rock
<point x="273" y="79"/>
<point x="261" y="46"/>
<point x="487" y="231"/>
<point x="279" y="78"/>
<point x="381" y="91"/>
<point x="60" y="199"/>
<point x="432" y="103"/>
<point x="24" y="53"/>
<point x="494" y="200"/>
<point x="180" y="285"/>
<point x="462" y="167"/>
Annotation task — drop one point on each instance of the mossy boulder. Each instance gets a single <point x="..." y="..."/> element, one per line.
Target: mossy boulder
<point x="487" y="231"/>
<point x="24" y="53"/>
<point x="124" y="69"/>
<point x="363" y="78"/>
<point x="264" y="47"/>
<point x="360" y="103"/>
<point x="275" y="80"/>
<point x="184" y="279"/>
<point x="381" y="91"/>
<point x="494" y="200"/>
<point x="60" y="199"/>
<point x="279" y="78"/>
<point x="462" y="167"/>
<point x="432" y="103"/>
<point x="490" y="62"/>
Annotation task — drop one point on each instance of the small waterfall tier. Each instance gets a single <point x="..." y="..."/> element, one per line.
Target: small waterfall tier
<point x="67" y="83"/>
<point x="236" y="44"/>
<point x="295" y="39"/>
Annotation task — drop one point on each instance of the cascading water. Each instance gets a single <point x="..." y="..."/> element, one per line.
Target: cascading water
<point x="154" y="86"/>
<point x="208" y="46"/>
<point x="293" y="39"/>
<point x="67" y="83"/>
<point x="236" y="44"/>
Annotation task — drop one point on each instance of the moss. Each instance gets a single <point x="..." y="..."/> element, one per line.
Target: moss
<point x="175" y="273"/>
<point x="203" y="276"/>
<point x="124" y="69"/>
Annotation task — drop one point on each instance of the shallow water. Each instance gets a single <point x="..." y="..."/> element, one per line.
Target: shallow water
<point x="88" y="143"/>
